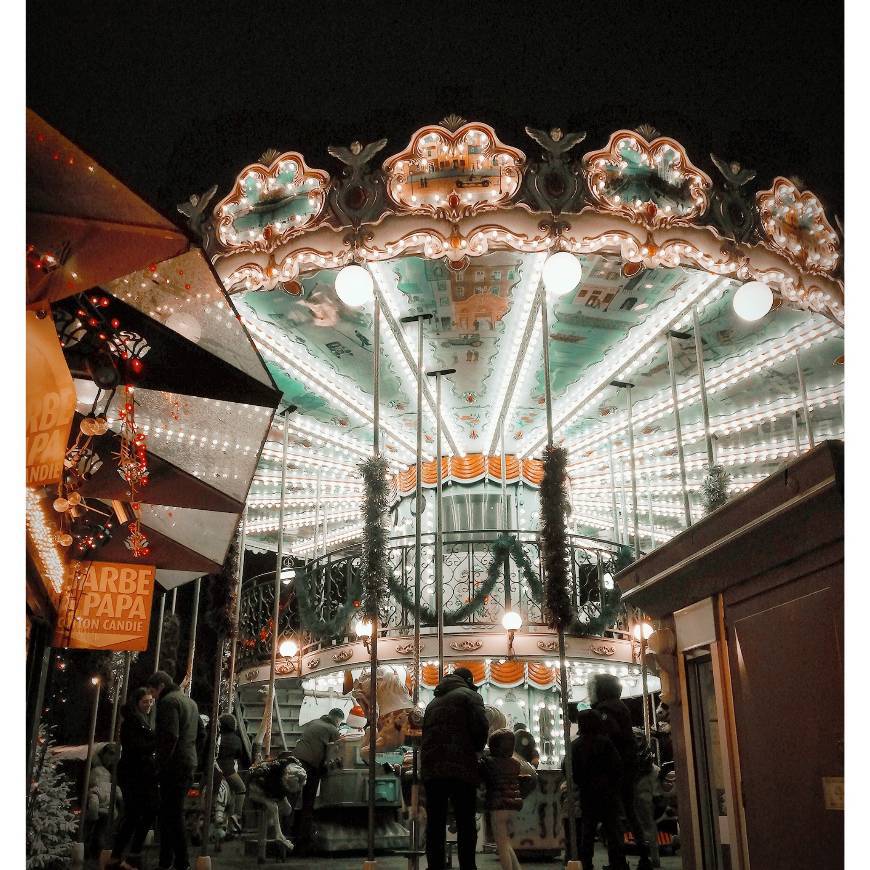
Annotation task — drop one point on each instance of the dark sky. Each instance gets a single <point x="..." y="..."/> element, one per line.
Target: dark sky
<point x="175" y="96"/>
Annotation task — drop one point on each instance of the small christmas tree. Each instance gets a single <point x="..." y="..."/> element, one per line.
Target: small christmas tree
<point x="51" y="824"/>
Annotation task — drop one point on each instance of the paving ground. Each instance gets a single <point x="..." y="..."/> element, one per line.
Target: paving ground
<point x="232" y="857"/>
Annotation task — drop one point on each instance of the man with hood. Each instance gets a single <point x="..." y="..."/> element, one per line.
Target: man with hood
<point x="455" y="729"/>
<point x="176" y="731"/>
<point x="605" y="696"/>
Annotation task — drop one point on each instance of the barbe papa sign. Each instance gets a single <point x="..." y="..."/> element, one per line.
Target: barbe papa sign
<point x="107" y="605"/>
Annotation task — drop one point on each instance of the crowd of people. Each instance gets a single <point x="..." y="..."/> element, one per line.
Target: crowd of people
<point x="465" y="765"/>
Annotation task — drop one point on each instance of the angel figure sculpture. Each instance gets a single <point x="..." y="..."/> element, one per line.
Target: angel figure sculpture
<point x="357" y="195"/>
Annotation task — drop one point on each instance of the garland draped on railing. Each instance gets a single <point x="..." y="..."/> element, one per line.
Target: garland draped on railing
<point x="502" y="547"/>
<point x="374" y="535"/>
<point x="554" y="538"/>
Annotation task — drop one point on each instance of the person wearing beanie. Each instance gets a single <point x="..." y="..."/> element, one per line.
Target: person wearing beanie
<point x="455" y="729"/>
<point x="178" y="725"/>
<point x="231" y="753"/>
<point x="507" y="779"/>
<point x="310" y="750"/>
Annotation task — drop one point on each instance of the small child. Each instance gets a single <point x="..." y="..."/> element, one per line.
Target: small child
<point x="502" y="774"/>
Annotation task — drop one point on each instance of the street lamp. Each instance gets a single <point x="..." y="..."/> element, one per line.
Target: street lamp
<point x="642" y="631"/>
<point x="354" y="285"/>
<point x="363" y="630"/>
<point x="512" y="621"/>
<point x="288" y="648"/>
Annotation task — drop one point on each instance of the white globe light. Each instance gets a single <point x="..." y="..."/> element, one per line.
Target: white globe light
<point x="753" y="300"/>
<point x="185" y="324"/>
<point x="363" y="629"/>
<point x="354" y="285"/>
<point x="607" y="580"/>
<point x="511" y="621"/>
<point x="561" y="273"/>
<point x="288" y="648"/>
<point x="642" y="630"/>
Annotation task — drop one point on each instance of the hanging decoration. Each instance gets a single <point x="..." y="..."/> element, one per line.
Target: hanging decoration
<point x="554" y="537"/>
<point x="222" y="592"/>
<point x="133" y="468"/>
<point x="374" y="537"/>
<point x="714" y="489"/>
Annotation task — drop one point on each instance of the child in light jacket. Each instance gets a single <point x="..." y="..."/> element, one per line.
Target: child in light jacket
<point x="508" y="779"/>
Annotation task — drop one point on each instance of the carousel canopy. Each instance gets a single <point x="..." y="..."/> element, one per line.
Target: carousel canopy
<point x="459" y="226"/>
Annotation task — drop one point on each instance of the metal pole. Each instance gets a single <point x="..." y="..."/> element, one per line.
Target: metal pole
<point x="193" y="622"/>
<point x="276" y="607"/>
<point x="633" y="477"/>
<point x="439" y="532"/>
<point x="208" y="797"/>
<point x="796" y="434"/>
<point x="702" y="383"/>
<point x="373" y="646"/>
<point x="613" y="490"/>
<point x="624" y="502"/>
<point x="159" y="633"/>
<point x="650" y="509"/>
<point x="646" y="722"/>
<point x="231" y="667"/>
<point x="317" y="513"/>
<point x="506" y="525"/>
<point x="802" y="382"/>
<point x="678" y="430"/>
<point x="120" y="700"/>
<point x="571" y="845"/>
<point x="37" y="713"/>
<point x="174" y="598"/>
<point x="87" y="779"/>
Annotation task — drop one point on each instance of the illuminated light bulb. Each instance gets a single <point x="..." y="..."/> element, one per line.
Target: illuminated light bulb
<point x="288" y="648"/>
<point x="607" y="581"/>
<point x="561" y="273"/>
<point x="642" y="630"/>
<point x="354" y="285"/>
<point x="363" y="629"/>
<point x="511" y="621"/>
<point x="753" y="300"/>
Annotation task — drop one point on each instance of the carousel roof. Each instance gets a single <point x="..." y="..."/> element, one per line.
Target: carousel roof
<point x="458" y="226"/>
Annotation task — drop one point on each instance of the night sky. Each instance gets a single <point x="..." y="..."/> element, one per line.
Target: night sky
<point x="173" y="97"/>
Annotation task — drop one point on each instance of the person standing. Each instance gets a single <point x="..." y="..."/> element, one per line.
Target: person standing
<point x="455" y="729"/>
<point x="525" y="746"/>
<point x="605" y="697"/>
<point x="502" y="772"/>
<point x="176" y="732"/>
<point x="597" y="768"/>
<point x="137" y="778"/>
<point x="310" y="751"/>
<point x="230" y="753"/>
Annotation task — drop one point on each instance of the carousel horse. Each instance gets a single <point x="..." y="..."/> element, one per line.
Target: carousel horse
<point x="398" y="722"/>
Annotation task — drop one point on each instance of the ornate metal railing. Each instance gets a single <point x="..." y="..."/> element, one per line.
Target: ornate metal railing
<point x="467" y="557"/>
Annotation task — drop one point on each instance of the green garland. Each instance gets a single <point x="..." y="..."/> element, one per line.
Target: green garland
<point x="374" y="538"/>
<point x="502" y="547"/>
<point x="334" y="627"/>
<point x="714" y="489"/>
<point x="554" y="537"/>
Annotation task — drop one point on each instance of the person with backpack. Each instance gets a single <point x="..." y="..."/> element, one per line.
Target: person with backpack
<point x="508" y="780"/>
<point x="605" y="697"/>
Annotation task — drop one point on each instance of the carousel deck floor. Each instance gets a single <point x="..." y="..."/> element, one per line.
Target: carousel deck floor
<point x="231" y="857"/>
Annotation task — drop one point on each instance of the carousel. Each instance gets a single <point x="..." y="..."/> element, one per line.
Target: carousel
<point x="488" y="353"/>
<point x="502" y="373"/>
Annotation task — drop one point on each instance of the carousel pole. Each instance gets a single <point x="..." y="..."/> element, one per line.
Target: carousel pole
<point x="159" y="632"/>
<point x="796" y="435"/>
<point x="803" y="385"/>
<point x="631" y="463"/>
<point x="439" y="520"/>
<point x="669" y="336"/>
<point x="373" y="646"/>
<point x="650" y="510"/>
<point x="204" y="861"/>
<point x="120" y="700"/>
<point x="174" y="599"/>
<point x="625" y="539"/>
<point x="191" y="653"/>
<point x="506" y="524"/>
<point x="270" y="698"/>
<point x="571" y="845"/>
<point x="37" y="712"/>
<point x="613" y="490"/>
<point x="317" y="513"/>
<point x="237" y="609"/>
<point x="418" y="570"/>
<point x="702" y="383"/>
<point x="78" y="849"/>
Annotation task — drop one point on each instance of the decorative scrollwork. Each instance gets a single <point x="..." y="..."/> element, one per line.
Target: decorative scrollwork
<point x="357" y="195"/>
<point x="313" y="663"/>
<point x="342" y="655"/>
<point x="554" y="182"/>
<point x="548" y="645"/>
<point x="406" y="649"/>
<point x="603" y="649"/>
<point x="732" y="210"/>
<point x="466" y="645"/>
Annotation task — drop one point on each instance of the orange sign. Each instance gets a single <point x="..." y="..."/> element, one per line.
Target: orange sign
<point x="106" y="605"/>
<point x="51" y="402"/>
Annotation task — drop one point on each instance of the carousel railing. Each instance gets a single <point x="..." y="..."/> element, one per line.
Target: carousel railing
<point x="467" y="558"/>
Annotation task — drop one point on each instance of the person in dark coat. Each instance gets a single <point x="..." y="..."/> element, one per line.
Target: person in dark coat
<point x="270" y="783"/>
<point x="137" y="778"/>
<point x="605" y="693"/>
<point x="455" y="729"/>
<point x="597" y="768"/>
<point x="311" y="749"/>
<point x="177" y="727"/>
<point x="525" y="746"/>
<point x="231" y="754"/>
